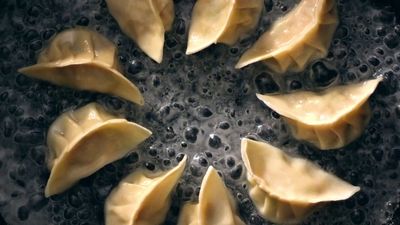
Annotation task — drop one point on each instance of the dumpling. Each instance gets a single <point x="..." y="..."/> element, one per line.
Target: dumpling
<point x="298" y="38"/>
<point x="85" y="60"/>
<point x="144" y="21"/>
<point x="329" y="119"/>
<point x="215" y="206"/>
<point x="285" y="189"/>
<point x="221" y="21"/>
<point x="84" y="140"/>
<point x="142" y="198"/>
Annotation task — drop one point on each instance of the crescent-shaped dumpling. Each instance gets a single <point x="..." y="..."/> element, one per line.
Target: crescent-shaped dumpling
<point x="221" y="21"/>
<point x="142" y="198"/>
<point x="83" y="59"/>
<point x="329" y="119"/>
<point x="215" y="206"/>
<point x="145" y="22"/>
<point x="285" y="189"/>
<point x="82" y="141"/>
<point x="298" y="38"/>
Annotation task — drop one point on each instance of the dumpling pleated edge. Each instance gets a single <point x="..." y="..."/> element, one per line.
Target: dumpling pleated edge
<point x="220" y="26"/>
<point x="286" y="204"/>
<point x="196" y="40"/>
<point x="281" y="60"/>
<point x="84" y="75"/>
<point x="276" y="102"/>
<point x="151" y="43"/>
<point x="63" y="175"/>
<point x="139" y="192"/>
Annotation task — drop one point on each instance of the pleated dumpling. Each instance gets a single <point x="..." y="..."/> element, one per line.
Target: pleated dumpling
<point x="296" y="39"/>
<point x="144" y="21"/>
<point x="84" y="140"/>
<point x="285" y="189"/>
<point x="329" y="119"/>
<point x="83" y="59"/>
<point x="215" y="206"/>
<point x="142" y="198"/>
<point x="221" y="21"/>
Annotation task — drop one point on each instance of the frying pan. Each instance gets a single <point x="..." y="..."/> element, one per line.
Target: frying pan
<point x="197" y="105"/>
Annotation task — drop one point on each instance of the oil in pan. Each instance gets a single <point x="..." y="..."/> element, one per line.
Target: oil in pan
<point x="199" y="106"/>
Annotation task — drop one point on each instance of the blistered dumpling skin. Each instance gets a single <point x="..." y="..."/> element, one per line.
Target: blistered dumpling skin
<point x="85" y="60"/>
<point x="298" y="38"/>
<point x="142" y="198"/>
<point x="329" y="119"/>
<point x="284" y="189"/>
<point x="144" y="21"/>
<point x="221" y="21"/>
<point x="84" y="140"/>
<point x="215" y="206"/>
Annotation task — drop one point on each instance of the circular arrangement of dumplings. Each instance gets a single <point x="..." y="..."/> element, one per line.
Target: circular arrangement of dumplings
<point x="84" y="140"/>
<point x="284" y="189"/>
<point x="85" y="60"/>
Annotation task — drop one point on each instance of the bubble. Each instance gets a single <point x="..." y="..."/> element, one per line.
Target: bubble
<point x="224" y="125"/>
<point x="191" y="134"/>
<point x="135" y="67"/>
<point x="391" y="41"/>
<point x="179" y="157"/>
<point x="8" y="127"/>
<point x="150" y="166"/>
<point x="374" y="61"/>
<point x="214" y="141"/>
<point x="83" y="21"/>
<point x="322" y="75"/>
<point x="204" y="112"/>
<point x="266" y="132"/>
<point x="236" y="172"/>
<point x="74" y="200"/>
<point x="294" y="85"/>
<point x="357" y="216"/>
<point x="23" y="213"/>
<point x="265" y="83"/>
<point x="377" y="154"/>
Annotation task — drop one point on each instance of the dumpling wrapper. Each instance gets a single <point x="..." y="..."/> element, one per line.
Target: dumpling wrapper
<point x="329" y="119"/>
<point x="296" y="39"/>
<point x="215" y="206"/>
<point x="144" y="21"/>
<point x="82" y="141"/>
<point x="142" y="198"/>
<point x="85" y="60"/>
<point x="285" y="189"/>
<point x="221" y="21"/>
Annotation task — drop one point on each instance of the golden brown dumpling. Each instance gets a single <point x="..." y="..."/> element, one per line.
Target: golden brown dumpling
<point x="142" y="198"/>
<point x="85" y="60"/>
<point x="301" y="36"/>
<point x="221" y="21"/>
<point x="84" y="140"/>
<point x="285" y="189"/>
<point x="144" y="21"/>
<point x="329" y="119"/>
<point x="215" y="206"/>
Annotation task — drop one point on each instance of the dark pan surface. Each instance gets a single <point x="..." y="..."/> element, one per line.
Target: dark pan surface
<point x="197" y="105"/>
